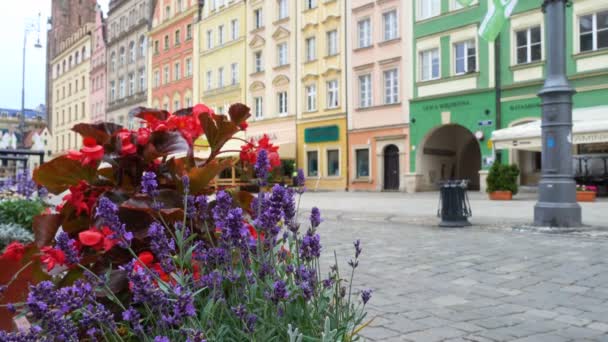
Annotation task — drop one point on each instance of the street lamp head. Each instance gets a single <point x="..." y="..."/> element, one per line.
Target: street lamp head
<point x="38" y="45"/>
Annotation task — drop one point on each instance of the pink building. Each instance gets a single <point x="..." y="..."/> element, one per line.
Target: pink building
<point x="98" y="69"/>
<point x="379" y="70"/>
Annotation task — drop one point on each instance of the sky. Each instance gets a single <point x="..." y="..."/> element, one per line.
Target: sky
<point x="13" y="17"/>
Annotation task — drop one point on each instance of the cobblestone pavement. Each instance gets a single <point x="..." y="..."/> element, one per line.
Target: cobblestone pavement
<point x="473" y="284"/>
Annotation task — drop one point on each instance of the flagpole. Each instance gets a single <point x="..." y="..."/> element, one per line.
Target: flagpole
<point x="556" y="206"/>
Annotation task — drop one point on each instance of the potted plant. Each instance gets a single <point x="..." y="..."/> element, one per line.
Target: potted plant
<point x="586" y="193"/>
<point x="502" y="182"/>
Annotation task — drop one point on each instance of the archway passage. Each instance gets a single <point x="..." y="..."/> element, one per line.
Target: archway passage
<point x="449" y="152"/>
<point x="391" y="168"/>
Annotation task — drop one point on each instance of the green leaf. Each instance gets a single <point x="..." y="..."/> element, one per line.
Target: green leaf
<point x="60" y="173"/>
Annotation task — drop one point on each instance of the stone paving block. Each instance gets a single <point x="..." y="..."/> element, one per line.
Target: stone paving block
<point x="575" y="289"/>
<point x="598" y="326"/>
<point x="433" y="322"/>
<point x="378" y="333"/>
<point x="543" y="338"/>
<point x="543" y="313"/>
<point x="468" y="327"/>
<point x="573" y="320"/>
<point x="449" y="300"/>
<point x="435" y="335"/>
<point x="577" y="333"/>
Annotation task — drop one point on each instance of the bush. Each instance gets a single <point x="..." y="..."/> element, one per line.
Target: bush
<point x="20" y="212"/>
<point x="503" y="178"/>
<point x="10" y="232"/>
<point x="150" y="250"/>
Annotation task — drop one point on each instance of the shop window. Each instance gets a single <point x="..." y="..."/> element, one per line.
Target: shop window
<point x="333" y="163"/>
<point x="312" y="160"/>
<point x="362" y="160"/>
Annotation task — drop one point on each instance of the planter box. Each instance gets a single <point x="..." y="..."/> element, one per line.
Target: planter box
<point x="501" y="196"/>
<point x="585" y="196"/>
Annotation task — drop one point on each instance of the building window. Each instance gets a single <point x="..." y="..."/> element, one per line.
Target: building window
<point x="166" y="75"/>
<point x="121" y="88"/>
<point x="283" y="11"/>
<point x="365" y="33"/>
<point x="362" y="162"/>
<point x="332" y="94"/>
<point x="234" y="29"/>
<point x="528" y="45"/>
<point x="167" y="12"/>
<point x="176" y="105"/>
<point x="142" y="46"/>
<point x="142" y="80"/>
<point x="311" y="98"/>
<point x="258" y="62"/>
<point x="131" y="84"/>
<point x="75" y="86"/>
<point x="312" y="162"/>
<point x="333" y="163"/>
<point x="156" y="48"/>
<point x="282" y="102"/>
<point x="188" y="102"/>
<point x="188" y="67"/>
<point x="177" y="37"/>
<point x="593" y="31"/>
<point x="310" y="4"/>
<point x="176" y="71"/>
<point x="390" y="25"/>
<point x="428" y="8"/>
<point x="166" y="42"/>
<point x="220" y="77"/>
<point x="429" y="64"/>
<point x="365" y="91"/>
<point x="121" y="56"/>
<point x="156" y="78"/>
<point x="234" y="74"/>
<point x="258" y="18"/>
<point x="259" y="109"/>
<point x="131" y="52"/>
<point x="332" y="43"/>
<point x="220" y="35"/>
<point x="311" y="49"/>
<point x="188" y="31"/>
<point x="77" y="58"/>
<point x="112" y="91"/>
<point x="465" y="57"/>
<point x="209" y="40"/>
<point x="209" y="79"/>
<point x="282" y="51"/>
<point x="391" y="86"/>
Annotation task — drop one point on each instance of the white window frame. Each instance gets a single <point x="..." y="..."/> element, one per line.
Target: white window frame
<point x="258" y="18"/>
<point x="220" y="77"/>
<point x="220" y="35"/>
<point x="311" y="97"/>
<point x="391" y="86"/>
<point x="428" y="8"/>
<point x="528" y="45"/>
<point x="166" y="75"/>
<point x="391" y="28"/>
<point x="156" y="78"/>
<point x="283" y="9"/>
<point x="332" y="149"/>
<point x="364" y="33"/>
<point x="318" y="175"/>
<point x="369" y="161"/>
<point x="234" y="24"/>
<point x="332" y="43"/>
<point x="131" y="84"/>
<point x="259" y="107"/>
<point x="258" y="61"/>
<point x="310" y="4"/>
<point x="177" y="74"/>
<point x="209" y="79"/>
<point x="283" y="54"/>
<point x="209" y="39"/>
<point x="188" y="67"/>
<point x="422" y="63"/>
<point x="282" y="109"/>
<point x="234" y="74"/>
<point x="594" y="31"/>
<point x="333" y="94"/>
<point x="142" y="79"/>
<point x="311" y="49"/>
<point x="365" y="90"/>
<point x="465" y="59"/>
<point x="112" y="91"/>
<point x="121" y="88"/>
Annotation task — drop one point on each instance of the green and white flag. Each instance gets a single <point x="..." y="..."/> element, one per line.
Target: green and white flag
<point x="465" y="3"/>
<point x="498" y="13"/>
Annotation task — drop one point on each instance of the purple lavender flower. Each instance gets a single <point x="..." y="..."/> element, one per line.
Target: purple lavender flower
<point x="133" y="317"/>
<point x="223" y="204"/>
<point x="68" y="247"/>
<point x="149" y="185"/>
<point x="161" y="246"/>
<point x="202" y="206"/>
<point x="279" y="291"/>
<point x="265" y="270"/>
<point x="311" y="246"/>
<point x="289" y="205"/>
<point x="186" y="183"/>
<point x="300" y="180"/>
<point x="366" y="295"/>
<point x="181" y="308"/>
<point x="107" y="213"/>
<point x="315" y="217"/>
<point x="306" y="279"/>
<point x="358" y="249"/>
<point x="250" y="323"/>
<point x="11" y="308"/>
<point x="327" y="283"/>
<point x="261" y="167"/>
<point x="239" y="311"/>
<point x="43" y="192"/>
<point x="161" y="339"/>
<point x="234" y="233"/>
<point x="25" y="185"/>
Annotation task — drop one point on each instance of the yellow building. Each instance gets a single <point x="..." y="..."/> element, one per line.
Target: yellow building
<point x="321" y="124"/>
<point x="220" y="50"/>
<point x="70" y="86"/>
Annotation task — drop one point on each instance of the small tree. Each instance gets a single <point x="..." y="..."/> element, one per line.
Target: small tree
<point x="503" y="178"/>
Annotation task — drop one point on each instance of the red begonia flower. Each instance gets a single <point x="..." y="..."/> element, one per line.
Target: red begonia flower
<point x="143" y="136"/>
<point x="14" y="251"/>
<point x="146" y="258"/>
<point x="91" y="237"/>
<point x="52" y="257"/>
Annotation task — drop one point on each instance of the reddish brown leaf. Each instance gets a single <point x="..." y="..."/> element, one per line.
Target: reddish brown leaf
<point x="238" y="113"/>
<point x="200" y="177"/>
<point x="101" y="132"/>
<point x="243" y="199"/>
<point x="167" y="143"/>
<point x="60" y="173"/>
<point x="218" y="130"/>
<point x="172" y="215"/>
<point x="149" y="114"/>
<point x="45" y="227"/>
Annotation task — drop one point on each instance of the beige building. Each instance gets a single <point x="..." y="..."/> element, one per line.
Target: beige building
<point x="272" y="37"/>
<point x="70" y="89"/>
<point x="127" y="27"/>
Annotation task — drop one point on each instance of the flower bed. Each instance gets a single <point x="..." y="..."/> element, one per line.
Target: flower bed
<point x="147" y="250"/>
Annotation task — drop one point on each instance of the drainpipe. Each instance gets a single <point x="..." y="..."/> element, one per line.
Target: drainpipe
<point x="345" y="72"/>
<point x="297" y="81"/>
<point x="497" y="90"/>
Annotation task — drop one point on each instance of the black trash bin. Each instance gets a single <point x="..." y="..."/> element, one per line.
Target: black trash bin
<point x="454" y="207"/>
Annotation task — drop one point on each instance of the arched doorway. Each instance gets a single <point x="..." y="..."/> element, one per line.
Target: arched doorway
<point x="391" y="168"/>
<point x="449" y="152"/>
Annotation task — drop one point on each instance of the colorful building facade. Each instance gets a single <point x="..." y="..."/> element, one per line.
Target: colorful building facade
<point x="127" y="47"/>
<point x="221" y="54"/>
<point x="322" y="149"/>
<point x="97" y="76"/>
<point x="272" y="82"/>
<point x="378" y="91"/>
<point x="171" y="68"/>
<point x="70" y="85"/>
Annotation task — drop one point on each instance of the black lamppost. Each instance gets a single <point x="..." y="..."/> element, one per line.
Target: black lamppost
<point x="29" y="28"/>
<point x="557" y="206"/>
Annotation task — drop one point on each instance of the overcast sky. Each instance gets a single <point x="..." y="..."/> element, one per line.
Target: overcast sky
<point x="13" y="16"/>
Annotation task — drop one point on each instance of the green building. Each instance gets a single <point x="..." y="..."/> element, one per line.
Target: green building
<point x="465" y="88"/>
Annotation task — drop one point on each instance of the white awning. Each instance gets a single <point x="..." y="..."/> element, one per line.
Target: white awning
<point x="590" y="125"/>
